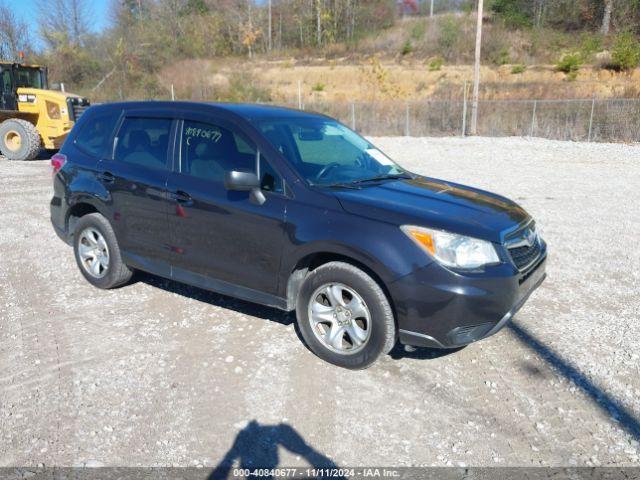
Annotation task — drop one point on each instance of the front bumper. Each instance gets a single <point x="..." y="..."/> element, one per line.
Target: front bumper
<point x="439" y="308"/>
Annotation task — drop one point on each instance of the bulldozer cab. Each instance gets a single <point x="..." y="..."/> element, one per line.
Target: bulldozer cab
<point x="14" y="76"/>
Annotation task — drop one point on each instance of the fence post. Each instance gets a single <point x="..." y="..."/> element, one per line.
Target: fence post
<point x="406" y="121"/>
<point x="299" y="95"/>
<point x="464" y="110"/>
<point x="173" y="95"/>
<point x="353" y="116"/>
<point x="593" y="107"/>
<point x="533" y="118"/>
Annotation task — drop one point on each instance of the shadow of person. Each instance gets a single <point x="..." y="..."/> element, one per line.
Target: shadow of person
<point x="256" y="447"/>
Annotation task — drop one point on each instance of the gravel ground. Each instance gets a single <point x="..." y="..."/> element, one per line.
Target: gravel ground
<point x="156" y="373"/>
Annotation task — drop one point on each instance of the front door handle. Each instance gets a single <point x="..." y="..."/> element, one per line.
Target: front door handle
<point x="106" y="177"/>
<point x="182" y="198"/>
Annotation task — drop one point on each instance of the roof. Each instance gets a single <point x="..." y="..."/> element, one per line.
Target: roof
<point x="256" y="110"/>
<point x="18" y="64"/>
<point x="248" y="111"/>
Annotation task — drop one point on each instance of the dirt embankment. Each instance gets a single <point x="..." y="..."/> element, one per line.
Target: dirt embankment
<point x="373" y="79"/>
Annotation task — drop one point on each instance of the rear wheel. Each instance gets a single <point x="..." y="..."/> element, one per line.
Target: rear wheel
<point x="344" y="316"/>
<point x="19" y="139"/>
<point x="97" y="252"/>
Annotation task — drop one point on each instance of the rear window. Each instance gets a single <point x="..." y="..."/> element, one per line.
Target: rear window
<point x="144" y="142"/>
<point x="94" y="137"/>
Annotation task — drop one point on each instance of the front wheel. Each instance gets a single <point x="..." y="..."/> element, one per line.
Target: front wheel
<point x="19" y="139"/>
<point x="345" y="316"/>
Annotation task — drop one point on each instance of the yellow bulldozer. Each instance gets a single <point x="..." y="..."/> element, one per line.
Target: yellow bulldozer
<point x="31" y="115"/>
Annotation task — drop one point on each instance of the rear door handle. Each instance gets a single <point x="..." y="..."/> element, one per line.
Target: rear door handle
<point x="106" y="177"/>
<point x="181" y="197"/>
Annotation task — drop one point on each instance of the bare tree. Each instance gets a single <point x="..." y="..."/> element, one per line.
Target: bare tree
<point x="14" y="34"/>
<point x="606" y="18"/>
<point x="538" y="10"/>
<point x="318" y="23"/>
<point x="70" y="19"/>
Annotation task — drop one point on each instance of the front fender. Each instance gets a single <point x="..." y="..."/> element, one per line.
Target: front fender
<point x="379" y="246"/>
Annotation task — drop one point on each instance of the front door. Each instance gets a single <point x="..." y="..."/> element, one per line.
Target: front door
<point x="136" y="179"/>
<point x="221" y="234"/>
<point x="7" y="91"/>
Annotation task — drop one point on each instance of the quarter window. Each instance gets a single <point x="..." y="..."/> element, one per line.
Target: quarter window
<point x="207" y="151"/>
<point x="144" y="142"/>
<point x="270" y="181"/>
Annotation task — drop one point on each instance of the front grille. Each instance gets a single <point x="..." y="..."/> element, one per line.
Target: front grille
<point x="77" y="106"/>
<point x="524" y="247"/>
<point x="525" y="255"/>
<point x="78" y="110"/>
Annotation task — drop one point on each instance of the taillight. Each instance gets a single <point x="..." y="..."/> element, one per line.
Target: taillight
<point x="57" y="162"/>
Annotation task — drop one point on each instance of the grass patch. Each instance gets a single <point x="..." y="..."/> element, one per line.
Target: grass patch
<point x="625" y="54"/>
<point x="418" y="31"/>
<point x="436" y="64"/>
<point x="407" y="48"/>
<point x="570" y="65"/>
<point x="318" y="87"/>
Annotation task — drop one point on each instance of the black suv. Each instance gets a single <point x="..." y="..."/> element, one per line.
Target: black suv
<point x="292" y="210"/>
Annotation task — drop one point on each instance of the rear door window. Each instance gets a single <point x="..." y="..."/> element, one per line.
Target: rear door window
<point x="143" y="142"/>
<point x="94" y="137"/>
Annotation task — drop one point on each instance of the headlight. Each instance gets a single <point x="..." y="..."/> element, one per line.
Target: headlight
<point x="27" y="98"/>
<point x="451" y="249"/>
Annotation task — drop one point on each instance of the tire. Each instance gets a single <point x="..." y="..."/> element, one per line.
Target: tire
<point x="19" y="139"/>
<point x="93" y="232"/>
<point x="330" y="299"/>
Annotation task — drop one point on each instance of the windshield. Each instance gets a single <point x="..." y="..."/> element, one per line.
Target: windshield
<point x="326" y="152"/>
<point x="28" y="77"/>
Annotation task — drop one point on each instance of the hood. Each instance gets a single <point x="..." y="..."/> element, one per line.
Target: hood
<point x="437" y="204"/>
<point x="49" y="94"/>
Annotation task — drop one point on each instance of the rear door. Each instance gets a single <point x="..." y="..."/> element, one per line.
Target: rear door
<point x="136" y="179"/>
<point x="217" y="233"/>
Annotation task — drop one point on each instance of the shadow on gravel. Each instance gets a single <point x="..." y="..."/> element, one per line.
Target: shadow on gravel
<point x="602" y="399"/>
<point x="272" y="314"/>
<point x="215" y="299"/>
<point x="420" y="353"/>
<point x="256" y="447"/>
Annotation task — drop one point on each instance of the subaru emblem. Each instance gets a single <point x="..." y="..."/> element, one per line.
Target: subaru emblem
<point x="530" y="236"/>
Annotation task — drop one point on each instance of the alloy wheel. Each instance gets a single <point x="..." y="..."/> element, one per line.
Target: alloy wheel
<point x="339" y="318"/>
<point x="94" y="252"/>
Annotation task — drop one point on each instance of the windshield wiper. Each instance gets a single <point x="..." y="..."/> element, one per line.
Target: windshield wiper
<point x="396" y="176"/>
<point x="355" y="184"/>
<point x="336" y="185"/>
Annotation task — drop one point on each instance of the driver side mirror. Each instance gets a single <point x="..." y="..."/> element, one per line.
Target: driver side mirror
<point x="240" y="181"/>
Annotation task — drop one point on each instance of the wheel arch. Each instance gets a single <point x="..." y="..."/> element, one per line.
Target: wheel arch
<point x="314" y="259"/>
<point x="80" y="207"/>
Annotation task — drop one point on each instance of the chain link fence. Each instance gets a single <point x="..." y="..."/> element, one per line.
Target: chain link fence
<point x="596" y="120"/>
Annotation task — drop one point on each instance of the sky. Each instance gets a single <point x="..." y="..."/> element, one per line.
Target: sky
<point x="28" y="11"/>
